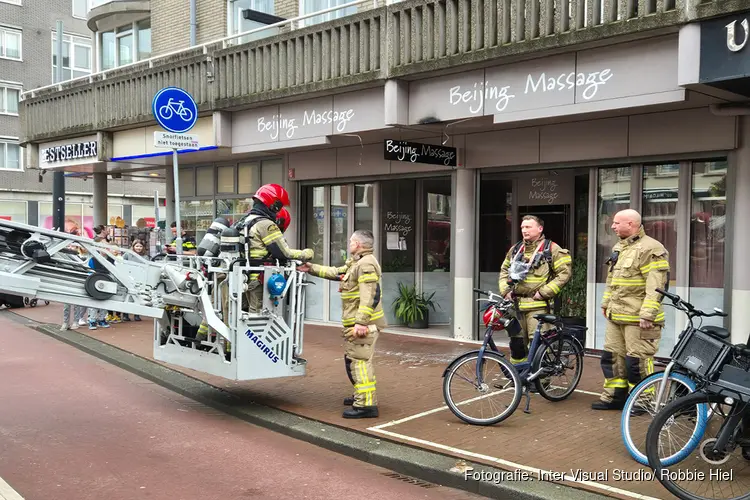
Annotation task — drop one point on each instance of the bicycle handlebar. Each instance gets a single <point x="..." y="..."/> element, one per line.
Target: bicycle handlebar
<point x="686" y="306"/>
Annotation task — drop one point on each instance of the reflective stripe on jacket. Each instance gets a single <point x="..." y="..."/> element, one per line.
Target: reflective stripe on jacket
<point x="641" y="267"/>
<point x="361" y="290"/>
<point x="537" y="279"/>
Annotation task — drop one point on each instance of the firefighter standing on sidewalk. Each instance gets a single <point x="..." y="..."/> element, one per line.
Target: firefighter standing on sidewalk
<point x="638" y="266"/>
<point x="362" y="317"/>
<point x="550" y="269"/>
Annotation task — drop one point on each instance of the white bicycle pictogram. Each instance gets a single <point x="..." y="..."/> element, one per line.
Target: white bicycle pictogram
<point x="175" y="107"/>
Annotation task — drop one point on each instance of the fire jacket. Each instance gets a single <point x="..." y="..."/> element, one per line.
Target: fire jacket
<point x="547" y="278"/>
<point x="361" y="293"/>
<point x="638" y="266"/>
<point x="265" y="239"/>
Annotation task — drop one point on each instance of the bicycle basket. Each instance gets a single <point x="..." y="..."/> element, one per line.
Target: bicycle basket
<point x="700" y="353"/>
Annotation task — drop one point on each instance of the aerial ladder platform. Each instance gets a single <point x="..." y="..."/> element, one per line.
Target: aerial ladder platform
<point x="199" y="305"/>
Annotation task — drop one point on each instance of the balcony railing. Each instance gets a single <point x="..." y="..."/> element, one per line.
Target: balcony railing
<point x="378" y="42"/>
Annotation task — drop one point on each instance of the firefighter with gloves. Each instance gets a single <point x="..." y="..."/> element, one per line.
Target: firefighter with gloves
<point x="638" y="266"/>
<point x="533" y="273"/>
<point x="362" y="317"/>
<point x="265" y="238"/>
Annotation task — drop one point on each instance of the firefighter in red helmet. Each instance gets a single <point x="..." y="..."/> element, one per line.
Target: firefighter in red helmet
<point x="265" y="236"/>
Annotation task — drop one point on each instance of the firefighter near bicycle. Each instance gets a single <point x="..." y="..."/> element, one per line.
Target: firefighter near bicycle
<point x="483" y="388"/>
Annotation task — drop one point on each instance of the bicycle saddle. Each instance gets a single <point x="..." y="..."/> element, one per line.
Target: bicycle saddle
<point x="546" y="318"/>
<point x="716" y="331"/>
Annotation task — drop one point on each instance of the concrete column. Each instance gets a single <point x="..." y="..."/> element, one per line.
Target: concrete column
<point x="739" y="166"/>
<point x="100" y="198"/>
<point x="463" y="243"/>
<point x="295" y="210"/>
<point x="170" y="217"/>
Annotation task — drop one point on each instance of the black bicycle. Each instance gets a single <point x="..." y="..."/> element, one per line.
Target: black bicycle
<point x="713" y="422"/>
<point x="488" y="376"/>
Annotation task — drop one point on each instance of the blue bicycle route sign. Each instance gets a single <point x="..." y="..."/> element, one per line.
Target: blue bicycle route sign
<point x="174" y="109"/>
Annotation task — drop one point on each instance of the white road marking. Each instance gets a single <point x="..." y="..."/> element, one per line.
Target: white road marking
<point x="8" y="493"/>
<point x="445" y="407"/>
<point x="506" y="463"/>
<point x="500" y="461"/>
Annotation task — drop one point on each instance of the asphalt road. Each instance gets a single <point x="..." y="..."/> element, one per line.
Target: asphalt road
<point x="73" y="427"/>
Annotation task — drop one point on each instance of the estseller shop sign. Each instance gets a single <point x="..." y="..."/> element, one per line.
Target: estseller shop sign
<point x="67" y="152"/>
<point x="415" y="152"/>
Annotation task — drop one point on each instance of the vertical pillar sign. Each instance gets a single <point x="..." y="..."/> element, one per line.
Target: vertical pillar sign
<point x="175" y="110"/>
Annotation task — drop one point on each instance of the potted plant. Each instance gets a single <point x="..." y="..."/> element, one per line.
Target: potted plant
<point x="412" y="307"/>
<point x="572" y="300"/>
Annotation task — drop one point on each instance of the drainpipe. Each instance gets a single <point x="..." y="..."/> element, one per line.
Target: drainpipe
<point x="192" y="23"/>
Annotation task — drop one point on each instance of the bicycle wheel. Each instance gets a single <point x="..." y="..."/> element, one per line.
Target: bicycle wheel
<point x="634" y="428"/>
<point x="564" y="355"/>
<point x="711" y="476"/>
<point x="464" y="369"/>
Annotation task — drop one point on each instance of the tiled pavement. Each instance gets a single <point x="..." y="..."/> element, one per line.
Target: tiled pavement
<point x="564" y="436"/>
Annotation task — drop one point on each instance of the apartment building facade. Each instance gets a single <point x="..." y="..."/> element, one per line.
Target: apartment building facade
<point x="438" y="125"/>
<point x="28" y="60"/>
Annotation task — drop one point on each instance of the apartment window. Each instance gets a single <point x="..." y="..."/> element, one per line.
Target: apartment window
<point x="9" y="94"/>
<point x="76" y="57"/>
<point x="310" y="6"/>
<point x="12" y="2"/>
<point x="10" y="154"/>
<point x="238" y="23"/>
<point x="125" y="45"/>
<point x="80" y="9"/>
<point x="10" y="43"/>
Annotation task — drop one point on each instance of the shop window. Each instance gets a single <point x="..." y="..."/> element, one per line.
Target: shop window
<point x="398" y="216"/>
<point x="339" y="225"/>
<point x="315" y="219"/>
<point x="436" y="247"/>
<point x="187" y="182"/>
<point x="74" y="218"/>
<point x="495" y="228"/>
<point x="196" y="217"/>
<point x="272" y="172"/>
<point x="225" y="179"/>
<point x="363" y="206"/>
<point x="204" y="181"/>
<point x="247" y="175"/>
<point x="13" y="211"/>
<point x="659" y="213"/>
<point x="233" y="210"/>
<point x="707" y="235"/>
<point x="613" y="195"/>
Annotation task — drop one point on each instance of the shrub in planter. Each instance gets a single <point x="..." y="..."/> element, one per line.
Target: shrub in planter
<point x="412" y="307"/>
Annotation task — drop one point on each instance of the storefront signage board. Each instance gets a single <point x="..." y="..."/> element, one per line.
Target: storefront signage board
<point x="321" y="117"/>
<point x="725" y="53"/>
<point x="69" y="152"/>
<point x="600" y="75"/>
<point x="416" y="152"/>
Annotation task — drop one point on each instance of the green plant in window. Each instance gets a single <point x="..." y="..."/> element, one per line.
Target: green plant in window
<point x="573" y="294"/>
<point x="411" y="306"/>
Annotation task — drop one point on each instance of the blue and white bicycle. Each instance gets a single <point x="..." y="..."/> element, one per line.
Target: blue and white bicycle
<point x="682" y="376"/>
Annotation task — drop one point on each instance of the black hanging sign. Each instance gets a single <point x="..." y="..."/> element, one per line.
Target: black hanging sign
<point x="416" y="152"/>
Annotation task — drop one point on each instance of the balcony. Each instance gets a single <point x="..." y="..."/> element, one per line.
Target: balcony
<point x="400" y="40"/>
<point x="104" y="15"/>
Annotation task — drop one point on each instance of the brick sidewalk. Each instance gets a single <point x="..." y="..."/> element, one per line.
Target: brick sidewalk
<point x="560" y="436"/>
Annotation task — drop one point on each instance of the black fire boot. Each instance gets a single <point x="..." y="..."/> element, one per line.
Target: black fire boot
<point x="361" y="412"/>
<point x="349" y="401"/>
<point x="604" y="405"/>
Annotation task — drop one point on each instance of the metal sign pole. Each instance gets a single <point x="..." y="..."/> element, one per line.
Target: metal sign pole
<point x="178" y="228"/>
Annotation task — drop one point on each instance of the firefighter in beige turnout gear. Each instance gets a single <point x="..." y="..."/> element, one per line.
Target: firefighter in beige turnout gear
<point x="362" y="318"/>
<point x="638" y="266"/>
<point x="546" y="277"/>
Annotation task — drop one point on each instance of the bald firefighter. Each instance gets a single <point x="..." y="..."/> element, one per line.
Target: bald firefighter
<point x="638" y="266"/>
<point x="362" y="317"/>
<point x="549" y="268"/>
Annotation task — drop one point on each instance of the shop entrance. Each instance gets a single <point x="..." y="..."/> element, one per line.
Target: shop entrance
<point x="556" y="218"/>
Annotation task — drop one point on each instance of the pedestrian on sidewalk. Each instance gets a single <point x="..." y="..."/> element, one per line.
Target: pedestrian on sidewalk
<point x="77" y="312"/>
<point x="638" y="266"/>
<point x="139" y="247"/>
<point x="362" y="317"/>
